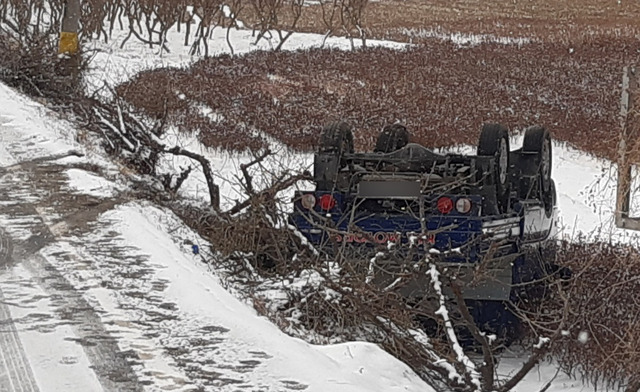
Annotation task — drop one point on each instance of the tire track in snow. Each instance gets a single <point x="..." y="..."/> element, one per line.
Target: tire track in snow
<point x="19" y="201"/>
<point x="6" y="248"/>
<point x="15" y="372"/>
<point x="108" y="362"/>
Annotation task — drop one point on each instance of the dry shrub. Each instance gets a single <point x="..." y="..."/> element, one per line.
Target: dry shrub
<point x="308" y="296"/>
<point x="167" y="95"/>
<point x="32" y="66"/>
<point x="29" y="58"/>
<point x="602" y="340"/>
<point x="247" y="244"/>
<point x="442" y="92"/>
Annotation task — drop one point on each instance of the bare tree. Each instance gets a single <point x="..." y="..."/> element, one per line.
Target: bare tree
<point x="270" y="17"/>
<point x="234" y="8"/>
<point x="352" y="17"/>
<point x="210" y="15"/>
<point x="330" y="14"/>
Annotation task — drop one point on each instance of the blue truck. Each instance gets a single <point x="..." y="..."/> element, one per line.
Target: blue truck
<point x="494" y="211"/>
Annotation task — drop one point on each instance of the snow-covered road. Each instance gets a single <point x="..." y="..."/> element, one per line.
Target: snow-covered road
<point x="46" y="319"/>
<point x="15" y="370"/>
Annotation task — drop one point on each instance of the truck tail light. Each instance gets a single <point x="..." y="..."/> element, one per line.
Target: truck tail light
<point x="445" y="205"/>
<point x="463" y="205"/>
<point x="327" y="202"/>
<point x="308" y="201"/>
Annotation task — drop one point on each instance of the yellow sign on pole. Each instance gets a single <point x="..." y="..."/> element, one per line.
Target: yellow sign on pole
<point x="69" y="30"/>
<point x="68" y="43"/>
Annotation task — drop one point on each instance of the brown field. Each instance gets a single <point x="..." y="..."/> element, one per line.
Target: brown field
<point x="566" y="21"/>
<point x="568" y="79"/>
<point x="442" y="92"/>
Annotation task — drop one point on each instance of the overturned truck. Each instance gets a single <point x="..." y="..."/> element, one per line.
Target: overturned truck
<point x="494" y="212"/>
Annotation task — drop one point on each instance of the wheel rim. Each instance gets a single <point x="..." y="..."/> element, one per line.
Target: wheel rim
<point x="546" y="160"/>
<point x="503" y="161"/>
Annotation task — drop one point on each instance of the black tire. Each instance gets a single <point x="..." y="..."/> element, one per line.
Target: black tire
<point x="337" y="137"/>
<point x="549" y="198"/>
<point x="494" y="142"/>
<point x="393" y="137"/>
<point x="537" y="140"/>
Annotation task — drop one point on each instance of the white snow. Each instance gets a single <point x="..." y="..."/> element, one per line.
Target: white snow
<point x="462" y="39"/>
<point x="58" y="362"/>
<point x="583" y="337"/>
<point x="541" y="342"/>
<point x="86" y="183"/>
<point x="28" y="132"/>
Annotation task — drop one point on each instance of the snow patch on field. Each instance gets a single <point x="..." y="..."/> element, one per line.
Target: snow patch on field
<point x="462" y="39"/>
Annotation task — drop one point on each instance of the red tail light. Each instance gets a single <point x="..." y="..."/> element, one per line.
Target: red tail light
<point x="445" y="205"/>
<point x="327" y="202"/>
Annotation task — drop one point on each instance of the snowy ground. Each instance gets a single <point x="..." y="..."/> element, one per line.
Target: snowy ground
<point x="97" y="295"/>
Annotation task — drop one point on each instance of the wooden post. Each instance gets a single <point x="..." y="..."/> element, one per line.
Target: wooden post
<point x="628" y="142"/>
<point x="70" y="26"/>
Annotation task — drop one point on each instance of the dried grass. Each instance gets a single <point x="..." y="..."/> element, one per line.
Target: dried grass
<point x="442" y="92"/>
<point x="602" y="339"/>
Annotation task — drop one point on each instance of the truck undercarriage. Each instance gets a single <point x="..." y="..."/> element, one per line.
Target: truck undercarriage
<point x="484" y="219"/>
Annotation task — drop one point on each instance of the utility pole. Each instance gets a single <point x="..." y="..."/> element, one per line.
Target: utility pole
<point x="70" y="26"/>
<point x="628" y="147"/>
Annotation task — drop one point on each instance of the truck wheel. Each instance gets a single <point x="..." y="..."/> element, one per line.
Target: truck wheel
<point x="337" y="137"/>
<point x="393" y="137"/>
<point x="538" y="141"/>
<point x="549" y="198"/>
<point x="494" y="142"/>
<point x="336" y="140"/>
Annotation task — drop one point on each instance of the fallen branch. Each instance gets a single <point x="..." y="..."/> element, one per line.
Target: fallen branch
<point x="269" y="193"/>
<point x="214" y="190"/>
<point x="245" y="171"/>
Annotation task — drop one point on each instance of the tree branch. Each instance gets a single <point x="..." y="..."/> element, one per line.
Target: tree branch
<point x="245" y="171"/>
<point x="269" y="192"/>
<point x="214" y="190"/>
